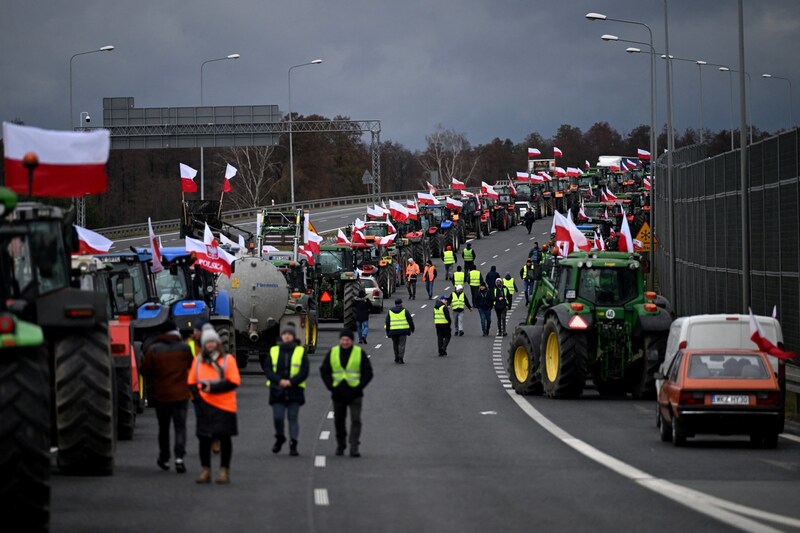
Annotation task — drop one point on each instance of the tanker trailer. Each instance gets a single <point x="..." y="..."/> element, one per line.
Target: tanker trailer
<point x="265" y="302"/>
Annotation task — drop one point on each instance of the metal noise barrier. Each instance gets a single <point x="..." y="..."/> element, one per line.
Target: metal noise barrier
<point x="708" y="229"/>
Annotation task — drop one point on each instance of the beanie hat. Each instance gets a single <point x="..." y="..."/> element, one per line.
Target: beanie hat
<point x="347" y="333"/>
<point x="398" y="301"/>
<point x="289" y="329"/>
<point x="209" y="335"/>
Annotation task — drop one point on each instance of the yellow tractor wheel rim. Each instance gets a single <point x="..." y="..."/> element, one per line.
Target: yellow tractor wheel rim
<point x="552" y="357"/>
<point x="521" y="366"/>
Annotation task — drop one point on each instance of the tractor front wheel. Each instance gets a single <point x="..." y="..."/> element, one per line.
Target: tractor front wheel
<point x="522" y="366"/>
<point x="563" y="361"/>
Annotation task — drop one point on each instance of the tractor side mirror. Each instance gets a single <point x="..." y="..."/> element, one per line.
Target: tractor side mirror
<point x="124" y="288"/>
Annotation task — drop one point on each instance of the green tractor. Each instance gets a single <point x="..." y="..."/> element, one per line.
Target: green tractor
<point x="56" y="367"/>
<point x="337" y="283"/>
<point x="590" y="317"/>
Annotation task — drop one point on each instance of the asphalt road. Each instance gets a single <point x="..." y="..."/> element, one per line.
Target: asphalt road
<point x="447" y="446"/>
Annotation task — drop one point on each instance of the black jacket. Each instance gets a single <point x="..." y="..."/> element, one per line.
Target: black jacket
<point x="483" y="299"/>
<point x="344" y="392"/>
<point x="501" y="298"/>
<point x="293" y="394"/>
<point x="491" y="277"/>
<point x="363" y="308"/>
<point x="392" y="333"/>
<point x="439" y="305"/>
<point x="166" y="366"/>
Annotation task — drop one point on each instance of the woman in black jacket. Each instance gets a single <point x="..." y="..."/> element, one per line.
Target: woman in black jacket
<point x="287" y="370"/>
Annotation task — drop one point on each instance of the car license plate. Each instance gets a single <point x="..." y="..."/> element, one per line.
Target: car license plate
<point x="730" y="399"/>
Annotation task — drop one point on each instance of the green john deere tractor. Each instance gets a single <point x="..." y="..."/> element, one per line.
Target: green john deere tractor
<point x="590" y="317"/>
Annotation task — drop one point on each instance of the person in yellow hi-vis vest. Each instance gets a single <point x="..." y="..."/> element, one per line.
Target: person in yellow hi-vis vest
<point x="459" y="277"/>
<point x="287" y="371"/>
<point x="399" y="325"/>
<point x="459" y="303"/>
<point x="346" y="371"/>
<point x="441" y="321"/>
<point x="449" y="259"/>
<point x="475" y="279"/>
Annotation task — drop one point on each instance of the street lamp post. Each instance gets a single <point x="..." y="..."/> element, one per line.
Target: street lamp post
<point x="730" y="77"/>
<point x="700" y="73"/>
<point x="749" y="97"/>
<point x="202" y="159"/>
<point x="291" y="154"/>
<point x="791" y="99"/>
<point x="106" y="48"/>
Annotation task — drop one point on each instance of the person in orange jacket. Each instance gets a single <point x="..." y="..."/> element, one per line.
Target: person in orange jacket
<point x="428" y="275"/>
<point x="412" y="271"/>
<point x="213" y="379"/>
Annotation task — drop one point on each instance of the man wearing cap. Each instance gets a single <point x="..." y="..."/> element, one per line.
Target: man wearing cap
<point x="412" y="271"/>
<point x="449" y="259"/>
<point x="346" y="371"/>
<point x="501" y="299"/>
<point x="287" y="372"/>
<point x="399" y="325"/>
<point x="166" y="368"/>
<point x="458" y="302"/>
<point x="459" y="277"/>
<point x="442" y="323"/>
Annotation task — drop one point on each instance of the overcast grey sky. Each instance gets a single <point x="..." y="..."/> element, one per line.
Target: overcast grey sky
<point x="488" y="68"/>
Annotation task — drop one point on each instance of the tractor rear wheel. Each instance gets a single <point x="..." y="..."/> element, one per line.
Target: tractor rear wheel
<point x="418" y="253"/>
<point x="126" y="410"/>
<point x="85" y="407"/>
<point x="644" y="381"/>
<point x="522" y="366"/>
<point x="25" y="437"/>
<point x="349" y="308"/>
<point x="383" y="281"/>
<point x="313" y="332"/>
<point x="564" y="360"/>
<point x="436" y="245"/>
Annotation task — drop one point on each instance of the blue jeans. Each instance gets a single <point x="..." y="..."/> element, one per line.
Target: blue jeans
<point x="362" y="328"/>
<point x="486" y="320"/>
<point x="279" y="411"/>
<point x="528" y="288"/>
<point x="429" y="288"/>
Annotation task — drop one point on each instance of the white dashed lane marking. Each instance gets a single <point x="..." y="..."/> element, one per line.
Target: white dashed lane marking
<point x="424" y="306"/>
<point x="325" y="435"/>
<point x="378" y="346"/>
<point x="320" y="461"/>
<point x="483" y="263"/>
<point x="508" y="249"/>
<point x="494" y="256"/>
<point x="330" y="415"/>
<point x="321" y="497"/>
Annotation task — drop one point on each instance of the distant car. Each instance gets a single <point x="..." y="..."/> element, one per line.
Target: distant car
<point x="374" y="292"/>
<point x="524" y="207"/>
<point x="720" y="392"/>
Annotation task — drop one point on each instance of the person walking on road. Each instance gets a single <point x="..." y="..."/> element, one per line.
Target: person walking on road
<point x="449" y="259"/>
<point x="399" y="325"/>
<point x="501" y="299"/>
<point x="475" y="280"/>
<point x="214" y="378"/>
<point x="491" y="276"/>
<point x="428" y="275"/>
<point x="511" y="285"/>
<point x="412" y="271"/>
<point x="194" y="340"/>
<point x="346" y="371"/>
<point x="287" y="372"/>
<point x="363" y="309"/>
<point x="528" y="275"/>
<point x="458" y="303"/>
<point x="528" y="219"/>
<point x="459" y="277"/>
<point x="442" y="323"/>
<point x="166" y="368"/>
<point x="483" y="302"/>
<point x="535" y="254"/>
<point x="468" y="254"/>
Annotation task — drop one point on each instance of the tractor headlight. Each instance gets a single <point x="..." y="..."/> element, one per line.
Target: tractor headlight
<point x="634" y="265"/>
<point x="588" y="264"/>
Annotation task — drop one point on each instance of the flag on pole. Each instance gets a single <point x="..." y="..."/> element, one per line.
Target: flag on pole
<point x="623" y="166"/>
<point x="764" y="344"/>
<point x="599" y="243"/>
<point x="646" y="183"/>
<point x="566" y="232"/>
<point x="458" y="185"/>
<point x="398" y="211"/>
<point x="374" y="212"/>
<point x="511" y="188"/>
<point x="341" y="238"/>
<point x="358" y="237"/>
<point x="582" y="214"/>
<point x="311" y="238"/>
<point x="533" y="153"/>
<point x="523" y="176"/>
<point x="557" y="152"/>
<point x="359" y="224"/>
<point x="489" y="191"/>
<point x="560" y="172"/>
<point x="427" y="199"/>
<point x="452" y="203"/>
<point x="614" y="167"/>
<point x="230" y="172"/>
<point x="71" y="164"/>
<point x="90" y="242"/>
<point x="308" y="254"/>
<point x="643" y="154"/>
<point x="625" y="242"/>
<point x="413" y="213"/>
<point x="774" y="311"/>
<point x="431" y="188"/>
<point x="546" y="176"/>
<point x="210" y="257"/>
<point x="187" y="178"/>
<point x="586" y="164"/>
<point x="386" y="241"/>
<point x="611" y="197"/>
<point x="573" y="172"/>
<point x="155" y="249"/>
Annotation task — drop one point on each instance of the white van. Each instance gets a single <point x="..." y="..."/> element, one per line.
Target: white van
<point x="718" y="331"/>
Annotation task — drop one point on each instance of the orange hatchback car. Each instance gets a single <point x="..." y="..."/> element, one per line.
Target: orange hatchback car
<point x="720" y="392"/>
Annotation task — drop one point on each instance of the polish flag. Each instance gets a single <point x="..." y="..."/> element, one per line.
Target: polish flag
<point x="359" y="224"/>
<point x="538" y="178"/>
<point x="566" y="232"/>
<point x="623" y="166"/>
<point x="467" y="194"/>
<point x="582" y="214"/>
<point x="230" y="172"/>
<point x="586" y="164"/>
<point x="312" y="239"/>
<point x="425" y="198"/>
<point x="489" y="191"/>
<point x="557" y="152"/>
<point x="512" y="189"/>
<point x="560" y="172"/>
<point x="341" y="238"/>
<point x="764" y="344"/>
<point x="643" y="154"/>
<point x="546" y="176"/>
<point x="91" y="243"/>
<point x="155" y="249"/>
<point x="632" y="163"/>
<point x="452" y="203"/>
<point x="573" y="172"/>
<point x="431" y="188"/>
<point x="389" y="223"/>
<point x="398" y="211"/>
<point x="625" y="243"/>
<point x="523" y="176"/>
<point x="308" y="254"/>
<point x="413" y="213"/>
<point x="614" y="167"/>
<point x="646" y="183"/>
<point x="358" y="237"/>
<point x="210" y="257"/>
<point x="599" y="243"/>
<point x="374" y="212"/>
<point x="458" y="185"/>
<point x="533" y="152"/>
<point x="71" y="164"/>
<point x="603" y="197"/>
<point x="385" y="209"/>
<point x="386" y="241"/>
<point x="611" y="197"/>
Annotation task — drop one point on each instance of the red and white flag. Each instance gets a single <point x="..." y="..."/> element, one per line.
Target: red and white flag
<point x="573" y="172"/>
<point x="560" y="172"/>
<point x="566" y="232"/>
<point x="764" y="344"/>
<point x="489" y="191"/>
<point x="341" y="238"/>
<point x="358" y="237"/>
<point x="586" y="164"/>
<point x="425" y="198"/>
<point x="431" y="188"/>
<point x="386" y="241"/>
<point x="646" y="183"/>
<point x="557" y="152"/>
<point x="511" y="188"/>
<point x="359" y="224"/>
<point x="307" y="254"/>
<point x="312" y="239"/>
<point x="91" y="243"/>
<point x="533" y="153"/>
<point x="603" y="197"/>
<point x="623" y="166"/>
<point x="643" y="154"/>
<point x="599" y="243"/>
<point x="625" y="242"/>
<point x="187" y="178"/>
<point x="374" y="212"/>
<point x="210" y="257"/>
<point x="230" y="172"/>
<point x="413" y="213"/>
<point x="458" y="185"/>
<point x="774" y="311"/>
<point x="155" y="249"/>
<point x="71" y="164"/>
<point x="610" y="196"/>
<point x="582" y="214"/>
<point x="398" y="211"/>
<point x="614" y="167"/>
<point x="523" y="176"/>
<point x="452" y="203"/>
<point x="546" y="176"/>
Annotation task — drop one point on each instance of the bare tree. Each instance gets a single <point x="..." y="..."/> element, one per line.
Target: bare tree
<point x="258" y="173"/>
<point x="450" y="154"/>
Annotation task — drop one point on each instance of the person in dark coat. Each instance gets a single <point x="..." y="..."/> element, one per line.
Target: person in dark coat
<point x="483" y="303"/>
<point x="346" y="371"/>
<point x="491" y="276"/>
<point x="166" y="368"/>
<point x="213" y="379"/>
<point x="501" y="297"/>
<point x="287" y="372"/>
<point x="443" y="324"/>
<point x="363" y="309"/>
<point x="529" y="219"/>
<point x="399" y="325"/>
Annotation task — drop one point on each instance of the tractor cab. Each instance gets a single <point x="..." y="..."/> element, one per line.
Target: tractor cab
<point x="184" y="288"/>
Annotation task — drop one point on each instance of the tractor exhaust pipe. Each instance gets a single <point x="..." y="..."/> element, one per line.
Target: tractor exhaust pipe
<point x="252" y="332"/>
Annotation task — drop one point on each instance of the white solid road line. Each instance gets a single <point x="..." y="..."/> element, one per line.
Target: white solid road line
<point x="730" y="513"/>
<point x="790" y="437"/>
<point x="325" y="435"/>
<point x="320" y="461"/>
<point x="321" y="497"/>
